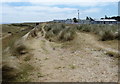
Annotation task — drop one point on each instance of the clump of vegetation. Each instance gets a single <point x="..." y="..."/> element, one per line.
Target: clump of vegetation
<point x="23" y="24"/>
<point x="9" y="73"/>
<point x="84" y="27"/>
<point x="46" y="58"/>
<point x="59" y="67"/>
<point x="59" y="32"/>
<point x="117" y="35"/>
<point x="10" y="68"/>
<point x="106" y="31"/>
<point x="40" y="75"/>
<point x="23" y="75"/>
<point x="16" y="33"/>
<point x="107" y="35"/>
<point x="19" y="50"/>
<point x="72" y="66"/>
<point x="28" y="57"/>
<point x="33" y="33"/>
<point x="13" y="70"/>
<point x="67" y="34"/>
<point x="113" y="54"/>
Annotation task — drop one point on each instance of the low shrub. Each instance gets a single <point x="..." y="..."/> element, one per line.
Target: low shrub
<point x="107" y="35"/>
<point x="10" y="68"/>
<point x="14" y="70"/>
<point x="106" y="31"/>
<point x="66" y="34"/>
<point x="113" y="54"/>
<point x="59" y="32"/>
<point x="28" y="57"/>
<point x="19" y="50"/>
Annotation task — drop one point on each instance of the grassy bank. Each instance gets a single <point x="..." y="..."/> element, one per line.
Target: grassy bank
<point x="12" y="68"/>
<point x="105" y="31"/>
<point x="14" y="32"/>
<point x="16" y="65"/>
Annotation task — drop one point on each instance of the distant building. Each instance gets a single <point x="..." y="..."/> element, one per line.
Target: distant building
<point x="68" y="21"/>
<point x="104" y="21"/>
<point x="101" y="21"/>
<point x="59" y="21"/>
<point x="84" y="22"/>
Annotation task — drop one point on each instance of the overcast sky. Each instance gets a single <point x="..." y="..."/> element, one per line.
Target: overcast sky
<point x="14" y="11"/>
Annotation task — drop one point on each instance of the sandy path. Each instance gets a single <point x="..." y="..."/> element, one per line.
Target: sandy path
<point x="83" y="60"/>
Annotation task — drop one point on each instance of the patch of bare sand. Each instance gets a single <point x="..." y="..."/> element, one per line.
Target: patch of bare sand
<point x="82" y="60"/>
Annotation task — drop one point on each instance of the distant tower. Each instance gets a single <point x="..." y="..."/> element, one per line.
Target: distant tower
<point x="78" y="16"/>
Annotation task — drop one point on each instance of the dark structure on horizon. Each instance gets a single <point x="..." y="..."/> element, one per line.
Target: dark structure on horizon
<point x="114" y="17"/>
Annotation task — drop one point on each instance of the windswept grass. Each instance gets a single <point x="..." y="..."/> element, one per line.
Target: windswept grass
<point x="59" y="32"/>
<point x="12" y="68"/>
<point x="15" y="70"/>
<point x="16" y="33"/>
<point x="66" y="32"/>
<point x="113" y="54"/>
<point x="19" y="50"/>
<point x="107" y="35"/>
<point x="105" y="31"/>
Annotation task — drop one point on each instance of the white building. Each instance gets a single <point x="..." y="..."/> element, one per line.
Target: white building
<point x="101" y="21"/>
<point x="104" y="21"/>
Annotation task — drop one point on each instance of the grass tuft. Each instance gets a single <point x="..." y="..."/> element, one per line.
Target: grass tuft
<point x="59" y="32"/>
<point x="108" y="35"/>
<point x="72" y="66"/>
<point x="113" y="54"/>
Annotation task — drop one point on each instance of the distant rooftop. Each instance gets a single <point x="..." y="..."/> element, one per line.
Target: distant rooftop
<point x="106" y="20"/>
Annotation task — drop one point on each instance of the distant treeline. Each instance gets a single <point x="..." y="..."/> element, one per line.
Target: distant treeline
<point x="114" y="17"/>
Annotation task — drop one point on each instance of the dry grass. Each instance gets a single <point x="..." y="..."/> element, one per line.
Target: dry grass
<point x="40" y="75"/>
<point x="28" y="57"/>
<point x="16" y="33"/>
<point x="10" y="68"/>
<point x="14" y="70"/>
<point x="72" y="66"/>
<point x="20" y="50"/>
<point x="113" y="54"/>
<point x="67" y="34"/>
<point x="107" y="32"/>
<point x="107" y="35"/>
<point x="59" y="32"/>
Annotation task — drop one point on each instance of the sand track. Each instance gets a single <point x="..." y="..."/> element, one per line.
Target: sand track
<point x="82" y="60"/>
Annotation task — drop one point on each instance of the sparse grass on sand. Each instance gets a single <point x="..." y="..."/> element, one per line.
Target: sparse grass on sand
<point x="72" y="66"/>
<point x="14" y="70"/>
<point x="105" y="31"/>
<point x="40" y="75"/>
<point x="16" y="32"/>
<point x="66" y="32"/>
<point x="113" y="54"/>
<point x="59" y="32"/>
